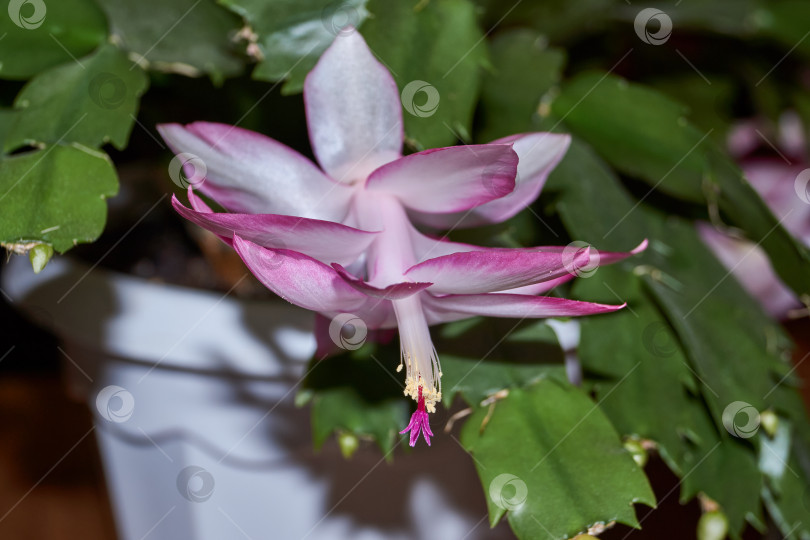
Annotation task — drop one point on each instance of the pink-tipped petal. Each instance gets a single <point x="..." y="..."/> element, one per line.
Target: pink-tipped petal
<point x="325" y="241"/>
<point x="495" y="270"/>
<point x="598" y="258"/>
<point x="395" y="291"/>
<point x="299" y="279"/>
<point x="455" y="307"/>
<point x="196" y="202"/>
<point x="250" y="173"/>
<point x="452" y="179"/>
<point x="353" y="110"/>
<point x="198" y="205"/>
<point x="752" y="268"/>
<point x="542" y="287"/>
<point x="539" y="153"/>
<point x="426" y="248"/>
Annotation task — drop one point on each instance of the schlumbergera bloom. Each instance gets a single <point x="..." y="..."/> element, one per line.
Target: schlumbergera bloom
<point x="341" y="238"/>
<point x="781" y="179"/>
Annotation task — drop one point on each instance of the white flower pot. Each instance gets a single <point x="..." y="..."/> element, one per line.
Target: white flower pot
<point x="192" y="393"/>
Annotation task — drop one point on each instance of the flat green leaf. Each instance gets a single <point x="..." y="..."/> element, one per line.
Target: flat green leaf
<point x="39" y="34"/>
<point x="733" y="17"/>
<point x="560" y="20"/>
<point x="550" y="460"/>
<point x="90" y="103"/>
<point x="787" y="488"/>
<point x="515" y="355"/>
<point x="435" y="51"/>
<point x="789" y="506"/>
<point x="710" y="107"/>
<point x="343" y="409"/>
<point x="55" y="195"/>
<point x="717" y="320"/>
<point x="524" y="68"/>
<point x="636" y="129"/>
<point x="477" y="381"/>
<point x="6" y="120"/>
<point x="189" y="37"/>
<point x="647" y="386"/>
<point x="292" y="34"/>
<point x="727" y="472"/>
<point x="786" y="21"/>
<point x="712" y="317"/>
<point x="644" y="134"/>
<point x="359" y="394"/>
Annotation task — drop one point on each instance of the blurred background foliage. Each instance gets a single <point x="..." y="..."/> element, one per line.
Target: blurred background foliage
<point x="84" y="83"/>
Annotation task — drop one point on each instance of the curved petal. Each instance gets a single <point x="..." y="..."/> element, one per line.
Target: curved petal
<point x="396" y="291"/>
<point x="250" y="173"/>
<point x="597" y="258"/>
<point x="198" y="205"/>
<point x="196" y="202"/>
<point x="353" y="110"/>
<point x="325" y="241"/>
<point x="495" y="270"/>
<point x="426" y="247"/>
<point x="752" y="268"/>
<point x="517" y="306"/>
<point x="542" y="287"/>
<point x="299" y="279"/>
<point x="451" y="179"/>
<point x="539" y="153"/>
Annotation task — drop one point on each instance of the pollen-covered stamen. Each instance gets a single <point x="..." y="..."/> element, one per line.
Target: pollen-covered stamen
<point x="423" y="376"/>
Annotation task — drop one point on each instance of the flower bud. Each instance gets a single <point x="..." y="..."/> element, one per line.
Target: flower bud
<point x="769" y="422"/>
<point x="349" y="443"/>
<point x="712" y="526"/>
<point x="39" y="255"/>
<point x="640" y="455"/>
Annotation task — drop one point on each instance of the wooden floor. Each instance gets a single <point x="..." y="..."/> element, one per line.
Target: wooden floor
<point x="51" y="483"/>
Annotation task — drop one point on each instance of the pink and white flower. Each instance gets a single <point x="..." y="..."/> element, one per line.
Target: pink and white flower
<point x="342" y="238"/>
<point x="774" y="175"/>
